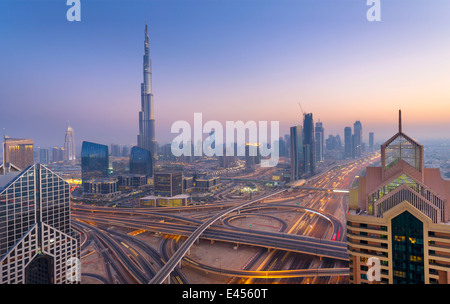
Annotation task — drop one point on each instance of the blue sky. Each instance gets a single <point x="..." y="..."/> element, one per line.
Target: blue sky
<point x="229" y="59"/>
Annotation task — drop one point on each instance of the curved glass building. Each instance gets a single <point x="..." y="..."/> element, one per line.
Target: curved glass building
<point x="141" y="161"/>
<point x="94" y="161"/>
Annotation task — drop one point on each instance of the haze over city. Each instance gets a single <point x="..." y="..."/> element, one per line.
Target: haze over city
<point x="230" y="60"/>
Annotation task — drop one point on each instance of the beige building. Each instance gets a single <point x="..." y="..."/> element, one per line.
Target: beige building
<point x="18" y="152"/>
<point x="399" y="216"/>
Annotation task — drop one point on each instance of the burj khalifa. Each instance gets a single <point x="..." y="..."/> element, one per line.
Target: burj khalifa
<point x="146" y="137"/>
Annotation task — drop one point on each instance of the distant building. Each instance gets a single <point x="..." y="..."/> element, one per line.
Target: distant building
<point x="371" y="141"/>
<point x="399" y="215"/>
<point x="348" y="142"/>
<point x="37" y="242"/>
<point x="101" y="187"/>
<point x="296" y="152"/>
<point x="141" y="161"/>
<point x="206" y="183"/>
<point x="69" y="144"/>
<point x="309" y="145"/>
<point x="94" y="161"/>
<point x="44" y="156"/>
<point x="319" y="138"/>
<point x="357" y="130"/>
<point x="168" y="183"/>
<point x="18" y="151"/>
<point x="252" y="155"/>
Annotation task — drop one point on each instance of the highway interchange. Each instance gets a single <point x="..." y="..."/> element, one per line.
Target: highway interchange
<point x="307" y="248"/>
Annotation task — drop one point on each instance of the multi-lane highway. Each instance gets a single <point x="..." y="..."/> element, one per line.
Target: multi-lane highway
<point x="311" y="247"/>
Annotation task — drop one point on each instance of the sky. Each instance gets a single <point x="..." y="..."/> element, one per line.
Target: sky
<point x="227" y="59"/>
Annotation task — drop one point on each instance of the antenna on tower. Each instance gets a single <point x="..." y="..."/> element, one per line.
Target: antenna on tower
<point x="301" y="108"/>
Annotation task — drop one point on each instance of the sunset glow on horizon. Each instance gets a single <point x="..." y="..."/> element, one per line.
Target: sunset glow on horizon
<point x="230" y="60"/>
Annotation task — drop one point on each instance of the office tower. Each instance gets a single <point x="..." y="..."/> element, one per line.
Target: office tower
<point x="125" y="151"/>
<point x="357" y="131"/>
<point x="115" y="150"/>
<point x="309" y="144"/>
<point x="37" y="243"/>
<point x="146" y="137"/>
<point x="69" y="144"/>
<point x="287" y="140"/>
<point x="400" y="216"/>
<point x="371" y="139"/>
<point x="44" y="156"/>
<point x="94" y="161"/>
<point x="338" y="142"/>
<point x="319" y="137"/>
<point x="296" y="152"/>
<point x="141" y="161"/>
<point x="348" y="142"/>
<point x="252" y="155"/>
<point x="18" y="151"/>
<point x="169" y="183"/>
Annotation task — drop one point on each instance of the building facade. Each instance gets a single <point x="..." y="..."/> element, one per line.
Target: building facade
<point x="69" y="144"/>
<point x="400" y="217"/>
<point x="94" y="161"/>
<point x="309" y="145"/>
<point x="141" y="161"/>
<point x="296" y="152"/>
<point x="146" y="137"/>
<point x="37" y="242"/>
<point x="168" y="184"/>
<point x="319" y="137"/>
<point x="18" y="151"/>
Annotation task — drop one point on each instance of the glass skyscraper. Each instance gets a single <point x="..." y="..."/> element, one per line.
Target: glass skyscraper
<point x="94" y="161"/>
<point x="309" y="144"/>
<point x="400" y="216"/>
<point x="296" y="152"/>
<point x="141" y="161"/>
<point x="37" y="243"/>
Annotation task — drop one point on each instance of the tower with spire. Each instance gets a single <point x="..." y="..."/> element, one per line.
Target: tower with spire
<point x="146" y="137"/>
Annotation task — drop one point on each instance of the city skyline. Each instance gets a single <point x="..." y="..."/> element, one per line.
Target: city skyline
<point x="229" y="60"/>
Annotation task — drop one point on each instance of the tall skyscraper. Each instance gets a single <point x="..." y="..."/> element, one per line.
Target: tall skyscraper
<point x="357" y="131"/>
<point x="347" y="142"/>
<point x="296" y="153"/>
<point x="146" y="137"/>
<point x="399" y="215"/>
<point x="141" y="161"/>
<point x="371" y="141"/>
<point x="94" y="161"/>
<point x="69" y="145"/>
<point x="44" y="156"/>
<point x="319" y="137"/>
<point x="18" y="151"/>
<point x="309" y="144"/>
<point x="37" y="242"/>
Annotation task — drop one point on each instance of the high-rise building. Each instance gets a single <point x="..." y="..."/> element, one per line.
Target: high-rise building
<point x="296" y="153"/>
<point x="357" y="131"/>
<point x="371" y="141"/>
<point x="252" y="155"/>
<point x="348" y="142"/>
<point x="94" y="161"/>
<point x="319" y="137"/>
<point x="115" y="150"/>
<point x="141" y="161"/>
<point x="69" y="145"/>
<point x="309" y="145"/>
<point x="44" y="156"/>
<point x="146" y="137"/>
<point x="18" y="151"/>
<point x="37" y="242"/>
<point x="398" y="224"/>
